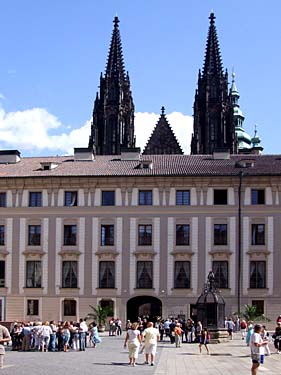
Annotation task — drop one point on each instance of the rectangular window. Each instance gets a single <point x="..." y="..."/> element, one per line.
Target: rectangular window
<point x="33" y="274"/>
<point x="220" y="269"/>
<point x="182" y="275"/>
<point x="144" y="275"/>
<point x="33" y="307"/>
<point x="35" y="199"/>
<point x="2" y="273"/>
<point x="107" y="235"/>
<point x="108" y="198"/>
<point x="257" y="196"/>
<point x="259" y="306"/>
<point x="2" y="199"/>
<point x="106" y="274"/>
<point x="220" y="196"/>
<point x="70" y="235"/>
<point x="257" y="274"/>
<point x="70" y="198"/>
<point x="69" y="274"/>
<point x="145" y="235"/>
<point x="258" y="234"/>
<point x="183" y="198"/>
<point x="2" y="235"/>
<point x="34" y="235"/>
<point x="69" y="307"/>
<point x="182" y="235"/>
<point x="145" y="197"/>
<point x="220" y="234"/>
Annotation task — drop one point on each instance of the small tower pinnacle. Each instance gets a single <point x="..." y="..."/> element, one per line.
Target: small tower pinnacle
<point x="162" y="110"/>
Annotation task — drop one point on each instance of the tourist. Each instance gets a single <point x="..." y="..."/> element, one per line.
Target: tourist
<point x="278" y="320"/>
<point x="26" y="337"/>
<point x="45" y="333"/>
<point x="83" y="329"/>
<point x="250" y="332"/>
<point x="161" y="329"/>
<point x="178" y="333"/>
<point x="151" y="336"/>
<point x="243" y="327"/>
<point x="277" y="338"/>
<point x="256" y="342"/>
<point x="198" y="331"/>
<point x="230" y="327"/>
<point x="265" y="336"/>
<point x="204" y="340"/>
<point x="133" y="337"/>
<point x="94" y="334"/>
<point x="52" y="343"/>
<point x="66" y="335"/>
<point x="4" y="337"/>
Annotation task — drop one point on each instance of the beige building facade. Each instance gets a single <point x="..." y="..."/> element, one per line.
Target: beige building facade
<point x="138" y="234"/>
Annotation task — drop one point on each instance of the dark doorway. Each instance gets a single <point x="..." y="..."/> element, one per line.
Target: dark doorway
<point x="147" y="306"/>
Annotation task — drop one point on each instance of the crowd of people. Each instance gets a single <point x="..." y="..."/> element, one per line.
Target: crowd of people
<point x="141" y="336"/>
<point x="51" y="336"/>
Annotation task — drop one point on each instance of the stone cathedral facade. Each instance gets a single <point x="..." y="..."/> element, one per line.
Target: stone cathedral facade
<point x="136" y="231"/>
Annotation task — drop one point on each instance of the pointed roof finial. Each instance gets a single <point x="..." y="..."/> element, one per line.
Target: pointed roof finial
<point x="162" y="110"/>
<point x="212" y="17"/>
<point x="116" y="21"/>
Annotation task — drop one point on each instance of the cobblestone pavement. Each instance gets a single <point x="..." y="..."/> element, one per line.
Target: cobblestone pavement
<point x="110" y="358"/>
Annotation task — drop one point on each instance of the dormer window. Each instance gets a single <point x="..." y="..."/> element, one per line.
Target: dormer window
<point x="48" y="165"/>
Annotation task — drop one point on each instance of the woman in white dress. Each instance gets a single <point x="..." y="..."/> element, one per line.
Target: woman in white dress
<point x="133" y="337"/>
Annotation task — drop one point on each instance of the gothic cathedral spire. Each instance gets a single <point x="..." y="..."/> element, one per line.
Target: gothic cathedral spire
<point x="213" y="128"/>
<point x="112" y="125"/>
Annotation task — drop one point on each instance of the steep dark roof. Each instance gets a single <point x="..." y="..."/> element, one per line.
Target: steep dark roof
<point x="213" y="62"/>
<point x="161" y="165"/>
<point x="162" y="140"/>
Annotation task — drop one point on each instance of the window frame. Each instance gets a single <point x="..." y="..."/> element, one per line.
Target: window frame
<point x="220" y="240"/>
<point x="219" y="282"/>
<point x="144" y="237"/>
<point x="253" y="276"/>
<point x="33" y="274"/>
<point x="35" y="199"/>
<point x="108" y="198"/>
<point x="145" y="197"/>
<point x="106" y="266"/>
<point x="144" y="284"/>
<point x="71" y="198"/>
<point x="35" y="308"/>
<point x="2" y="235"/>
<point x="3" y="199"/>
<point x="73" y="271"/>
<point x="107" y="235"/>
<point x="185" y="283"/>
<point x="220" y="200"/>
<point x="256" y="238"/>
<point x="69" y="236"/>
<point x="181" y="200"/>
<point x="2" y="273"/>
<point x="34" y="237"/>
<point x="257" y="196"/>
<point x="71" y="308"/>
<point x="182" y="238"/>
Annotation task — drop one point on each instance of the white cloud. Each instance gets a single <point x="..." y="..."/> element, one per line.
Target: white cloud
<point x="32" y="131"/>
<point x="2" y="97"/>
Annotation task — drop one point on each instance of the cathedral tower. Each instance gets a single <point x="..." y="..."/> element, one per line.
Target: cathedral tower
<point x="112" y="125"/>
<point x="213" y="128"/>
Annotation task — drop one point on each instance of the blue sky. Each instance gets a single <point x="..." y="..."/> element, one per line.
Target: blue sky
<point x="52" y="53"/>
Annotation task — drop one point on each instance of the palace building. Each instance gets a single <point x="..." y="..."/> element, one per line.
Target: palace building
<point x="140" y="231"/>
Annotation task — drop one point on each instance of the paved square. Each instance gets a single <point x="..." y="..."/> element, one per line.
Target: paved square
<point x="111" y="358"/>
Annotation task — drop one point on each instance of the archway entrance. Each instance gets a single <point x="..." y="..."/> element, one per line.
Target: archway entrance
<point x="150" y="307"/>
